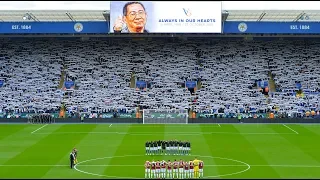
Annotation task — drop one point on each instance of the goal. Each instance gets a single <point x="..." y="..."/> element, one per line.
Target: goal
<point x="155" y="116"/>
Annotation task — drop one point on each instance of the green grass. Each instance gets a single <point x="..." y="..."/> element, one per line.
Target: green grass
<point x="228" y="150"/>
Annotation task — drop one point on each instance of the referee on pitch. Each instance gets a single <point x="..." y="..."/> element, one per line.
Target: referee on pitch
<point x="72" y="158"/>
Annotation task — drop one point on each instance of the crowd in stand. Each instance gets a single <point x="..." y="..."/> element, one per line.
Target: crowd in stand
<point x="104" y="70"/>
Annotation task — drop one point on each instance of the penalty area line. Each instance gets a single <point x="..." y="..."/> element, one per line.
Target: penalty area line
<point x="290" y="129"/>
<point x="39" y="128"/>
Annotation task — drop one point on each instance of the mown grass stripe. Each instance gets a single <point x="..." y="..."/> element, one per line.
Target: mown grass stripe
<point x="240" y="148"/>
<point x="306" y="141"/>
<point x="90" y="147"/>
<point x="16" y="143"/>
<point x="133" y="145"/>
<point x="265" y="147"/>
<point x="7" y="130"/>
<point x="48" y="150"/>
<point x="205" y="147"/>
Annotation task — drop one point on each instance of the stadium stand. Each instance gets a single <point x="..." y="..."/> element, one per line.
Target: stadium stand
<point x="31" y="73"/>
<point x="229" y="75"/>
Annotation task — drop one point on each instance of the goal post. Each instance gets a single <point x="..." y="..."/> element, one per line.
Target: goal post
<point x="156" y="116"/>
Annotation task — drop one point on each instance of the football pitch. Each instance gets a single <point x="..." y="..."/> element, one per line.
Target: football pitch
<point x="118" y="150"/>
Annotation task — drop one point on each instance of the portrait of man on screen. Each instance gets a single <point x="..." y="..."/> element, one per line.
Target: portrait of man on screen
<point x="133" y="19"/>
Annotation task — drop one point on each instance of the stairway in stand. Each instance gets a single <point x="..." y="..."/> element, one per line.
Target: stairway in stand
<point x="62" y="78"/>
<point x="132" y="80"/>
<point x="272" y="83"/>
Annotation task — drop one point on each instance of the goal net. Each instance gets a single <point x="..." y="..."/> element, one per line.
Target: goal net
<point x="154" y="116"/>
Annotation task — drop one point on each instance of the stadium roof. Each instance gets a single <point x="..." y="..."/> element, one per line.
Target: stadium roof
<point x="54" y="15"/>
<point x="274" y="15"/>
<point x="100" y="15"/>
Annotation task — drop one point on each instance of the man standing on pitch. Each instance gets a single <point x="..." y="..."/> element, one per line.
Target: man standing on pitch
<point x="147" y="148"/>
<point x="72" y="158"/>
<point x="75" y="155"/>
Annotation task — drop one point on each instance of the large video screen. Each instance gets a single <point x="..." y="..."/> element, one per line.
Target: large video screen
<point x="165" y="17"/>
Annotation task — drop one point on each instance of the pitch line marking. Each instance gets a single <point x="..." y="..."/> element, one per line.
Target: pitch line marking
<point x="39" y="128"/>
<point x="132" y="165"/>
<point x="169" y="133"/>
<point x="290" y="129"/>
<point x="167" y="125"/>
<point x="101" y="175"/>
<point x="219" y="125"/>
<point x="110" y="125"/>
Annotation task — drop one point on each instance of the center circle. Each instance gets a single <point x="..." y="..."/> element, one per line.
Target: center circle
<point x="212" y="157"/>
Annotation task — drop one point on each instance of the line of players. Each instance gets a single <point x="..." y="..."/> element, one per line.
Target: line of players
<point x="174" y="170"/>
<point x="171" y="147"/>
